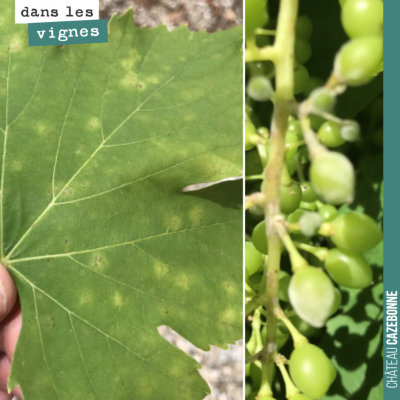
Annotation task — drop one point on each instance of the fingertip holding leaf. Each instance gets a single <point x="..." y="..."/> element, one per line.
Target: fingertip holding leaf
<point x="8" y="292"/>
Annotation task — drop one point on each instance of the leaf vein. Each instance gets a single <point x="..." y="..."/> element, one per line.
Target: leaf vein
<point x="81" y="355"/>
<point x="41" y="340"/>
<point x="33" y="94"/>
<point x="64" y="124"/>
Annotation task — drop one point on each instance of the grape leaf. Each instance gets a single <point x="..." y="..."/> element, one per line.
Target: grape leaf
<point x="97" y="143"/>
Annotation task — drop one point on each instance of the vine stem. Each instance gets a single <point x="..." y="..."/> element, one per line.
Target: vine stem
<point x="282" y="56"/>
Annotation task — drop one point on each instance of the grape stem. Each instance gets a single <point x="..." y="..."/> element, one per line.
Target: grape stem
<point x="253" y="358"/>
<point x="319" y="252"/>
<point x="267" y="53"/>
<point x="254" y="177"/>
<point x="315" y="148"/>
<point x="295" y="144"/>
<point x="326" y="229"/>
<point x="286" y="179"/>
<point x="254" y="345"/>
<point x="298" y="338"/>
<point x="255" y="139"/>
<point x="266" y="32"/>
<point x="255" y="199"/>
<point x="291" y="389"/>
<point x="296" y="259"/>
<point x="282" y="55"/>
<point x="249" y="289"/>
<point x="263" y="155"/>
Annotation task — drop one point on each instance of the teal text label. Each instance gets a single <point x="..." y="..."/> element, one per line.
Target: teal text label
<point x="68" y="32"/>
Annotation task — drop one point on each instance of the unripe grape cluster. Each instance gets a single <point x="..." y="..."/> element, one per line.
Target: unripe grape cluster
<point x="323" y="238"/>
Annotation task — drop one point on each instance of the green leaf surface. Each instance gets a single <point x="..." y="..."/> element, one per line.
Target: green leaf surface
<point x="97" y="143"/>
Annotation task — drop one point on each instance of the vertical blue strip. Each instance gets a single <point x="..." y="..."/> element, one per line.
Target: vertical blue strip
<point x="391" y="274"/>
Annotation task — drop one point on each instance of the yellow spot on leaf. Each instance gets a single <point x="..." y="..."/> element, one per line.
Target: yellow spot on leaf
<point x="117" y="299"/>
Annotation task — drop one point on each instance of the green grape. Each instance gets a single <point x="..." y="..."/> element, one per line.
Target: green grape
<point x="252" y="396"/>
<point x="304" y="27"/>
<point x="295" y="126"/>
<point x="256" y="213"/>
<point x="348" y="269"/>
<point x="265" y="398"/>
<point x="302" y="51"/>
<point x="337" y="303"/>
<point x="263" y="131"/>
<point x="246" y="276"/>
<point x="316" y="121"/>
<point x="300" y="397"/>
<point x="247" y="390"/>
<point x="328" y="212"/>
<point x="284" y="281"/>
<point x="308" y="192"/>
<point x="253" y="258"/>
<point x="290" y="197"/>
<point x="322" y="99"/>
<point x="256" y="16"/>
<point x="259" y="88"/>
<point x="295" y="217"/>
<point x="291" y="166"/>
<point x="355" y="232"/>
<point x="249" y="131"/>
<point x="255" y="375"/>
<point x="311" y="370"/>
<point x="258" y="68"/>
<point x="310" y="223"/>
<point x="291" y="137"/>
<point x="259" y="238"/>
<point x="303" y="327"/>
<point x="333" y="372"/>
<point x="248" y="109"/>
<point x="329" y="134"/>
<point x="304" y="205"/>
<point x="300" y="79"/>
<point x="253" y="164"/>
<point x="255" y="280"/>
<point x="299" y="237"/>
<point x="358" y="60"/>
<point x="332" y="176"/>
<point x="311" y="295"/>
<point x="312" y="84"/>
<point x="350" y="131"/>
<point x="363" y="18"/>
<point x="281" y="338"/>
<point x="247" y="366"/>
